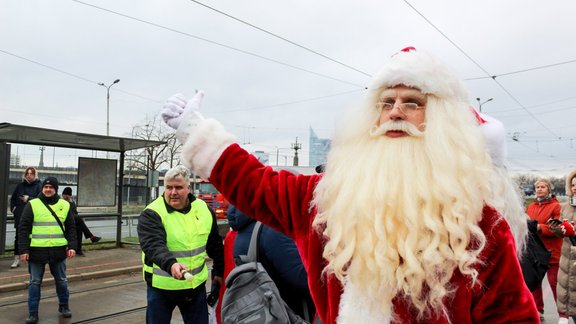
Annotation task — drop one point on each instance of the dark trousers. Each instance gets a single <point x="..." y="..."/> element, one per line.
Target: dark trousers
<point x="193" y="308"/>
<point x="81" y="228"/>
<point x="16" y="250"/>
<point x="17" y="215"/>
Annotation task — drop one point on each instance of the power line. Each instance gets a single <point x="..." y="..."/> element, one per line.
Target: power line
<point x="282" y="38"/>
<point x="221" y="44"/>
<point x="49" y="67"/>
<point x="160" y="101"/>
<point x="72" y="74"/>
<point x="481" y="68"/>
<point x="524" y="70"/>
<point x="291" y="102"/>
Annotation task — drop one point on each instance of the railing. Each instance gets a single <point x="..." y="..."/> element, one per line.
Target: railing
<point x="104" y="225"/>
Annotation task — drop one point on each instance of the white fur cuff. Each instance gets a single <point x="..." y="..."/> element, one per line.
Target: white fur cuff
<point x="203" y="144"/>
<point x="356" y="307"/>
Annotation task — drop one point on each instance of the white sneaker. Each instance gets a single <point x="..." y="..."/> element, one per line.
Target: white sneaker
<point x="16" y="262"/>
<point x="563" y="320"/>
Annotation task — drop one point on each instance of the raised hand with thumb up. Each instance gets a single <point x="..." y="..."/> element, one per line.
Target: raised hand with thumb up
<point x="203" y="140"/>
<point x="177" y="108"/>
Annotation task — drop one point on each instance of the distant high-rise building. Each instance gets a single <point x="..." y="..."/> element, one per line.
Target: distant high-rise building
<point x="319" y="148"/>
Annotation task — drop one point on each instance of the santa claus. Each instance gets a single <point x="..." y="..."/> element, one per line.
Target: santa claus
<point x="400" y="226"/>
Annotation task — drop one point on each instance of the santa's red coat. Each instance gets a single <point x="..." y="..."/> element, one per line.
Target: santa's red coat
<point x="282" y="200"/>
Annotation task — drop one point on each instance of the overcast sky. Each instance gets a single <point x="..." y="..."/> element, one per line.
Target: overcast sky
<point x="273" y="69"/>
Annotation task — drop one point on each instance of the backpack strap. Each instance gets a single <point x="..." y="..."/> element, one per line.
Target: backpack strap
<point x="253" y="247"/>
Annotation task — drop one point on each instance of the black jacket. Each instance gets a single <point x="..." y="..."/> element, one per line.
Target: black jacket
<point x="32" y="189"/>
<point x="45" y="254"/>
<point x="152" y="236"/>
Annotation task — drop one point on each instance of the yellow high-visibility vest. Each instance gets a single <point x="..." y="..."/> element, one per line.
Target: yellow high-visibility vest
<point x="45" y="229"/>
<point x="186" y="237"/>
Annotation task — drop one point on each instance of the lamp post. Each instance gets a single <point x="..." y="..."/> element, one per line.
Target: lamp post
<point x="481" y="103"/>
<point x="108" y="104"/>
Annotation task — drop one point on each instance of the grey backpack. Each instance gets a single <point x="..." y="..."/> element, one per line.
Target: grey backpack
<point x="251" y="296"/>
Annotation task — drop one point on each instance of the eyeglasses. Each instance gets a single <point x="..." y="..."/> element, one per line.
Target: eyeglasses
<point x="406" y="108"/>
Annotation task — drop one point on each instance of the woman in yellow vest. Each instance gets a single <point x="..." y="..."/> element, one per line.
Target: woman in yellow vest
<point x="47" y="235"/>
<point x="176" y="232"/>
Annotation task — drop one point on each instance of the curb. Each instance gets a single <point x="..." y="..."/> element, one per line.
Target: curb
<point x="76" y="277"/>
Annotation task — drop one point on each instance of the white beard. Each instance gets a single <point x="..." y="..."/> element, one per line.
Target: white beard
<point x="399" y="215"/>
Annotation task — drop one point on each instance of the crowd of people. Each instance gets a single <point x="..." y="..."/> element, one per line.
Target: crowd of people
<point x="413" y="219"/>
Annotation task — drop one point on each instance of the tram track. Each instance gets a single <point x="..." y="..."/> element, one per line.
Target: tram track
<point x="116" y="316"/>
<point x="121" y="299"/>
<point x="75" y="292"/>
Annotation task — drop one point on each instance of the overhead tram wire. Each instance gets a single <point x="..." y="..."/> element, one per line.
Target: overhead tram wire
<point x="522" y="71"/>
<point x="49" y="67"/>
<point x="282" y="38"/>
<point x="160" y="101"/>
<point x="221" y="45"/>
<point x="291" y="102"/>
<point x="482" y="68"/>
<point x="71" y="74"/>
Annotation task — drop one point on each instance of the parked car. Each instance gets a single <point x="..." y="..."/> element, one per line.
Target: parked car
<point x="528" y="190"/>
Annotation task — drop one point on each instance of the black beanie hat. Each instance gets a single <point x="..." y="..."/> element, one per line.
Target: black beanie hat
<point x="51" y="181"/>
<point x="67" y="191"/>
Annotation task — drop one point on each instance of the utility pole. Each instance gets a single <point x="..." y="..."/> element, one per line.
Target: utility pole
<point x="41" y="164"/>
<point x="296" y="146"/>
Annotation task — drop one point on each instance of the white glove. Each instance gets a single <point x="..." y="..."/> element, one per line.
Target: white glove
<point x="203" y="140"/>
<point x="177" y="108"/>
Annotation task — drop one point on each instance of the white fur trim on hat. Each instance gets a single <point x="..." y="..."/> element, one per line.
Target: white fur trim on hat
<point x="420" y="70"/>
<point x="495" y="138"/>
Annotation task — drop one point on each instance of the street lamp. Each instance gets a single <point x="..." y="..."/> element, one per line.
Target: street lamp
<point x="108" y="104"/>
<point x="481" y="103"/>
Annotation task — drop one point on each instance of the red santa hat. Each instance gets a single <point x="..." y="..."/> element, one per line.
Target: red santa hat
<point x="420" y="70"/>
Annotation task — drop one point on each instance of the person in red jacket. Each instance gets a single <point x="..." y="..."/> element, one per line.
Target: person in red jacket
<point x="400" y="226"/>
<point x="546" y="210"/>
<point x="229" y="265"/>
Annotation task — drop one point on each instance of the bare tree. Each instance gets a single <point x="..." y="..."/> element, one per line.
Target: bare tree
<point x="154" y="157"/>
<point x="172" y="152"/>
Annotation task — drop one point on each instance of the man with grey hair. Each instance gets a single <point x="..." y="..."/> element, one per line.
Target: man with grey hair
<point x="176" y="231"/>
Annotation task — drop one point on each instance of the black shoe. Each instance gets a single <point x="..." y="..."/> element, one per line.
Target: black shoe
<point x="32" y="318"/>
<point x="80" y="253"/>
<point x="65" y="311"/>
<point x="95" y="239"/>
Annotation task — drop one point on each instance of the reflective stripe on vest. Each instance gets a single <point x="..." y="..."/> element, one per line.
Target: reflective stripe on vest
<point x="186" y="238"/>
<point x="45" y="230"/>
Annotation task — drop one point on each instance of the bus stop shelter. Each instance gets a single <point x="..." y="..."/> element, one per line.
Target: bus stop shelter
<point x="18" y="134"/>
